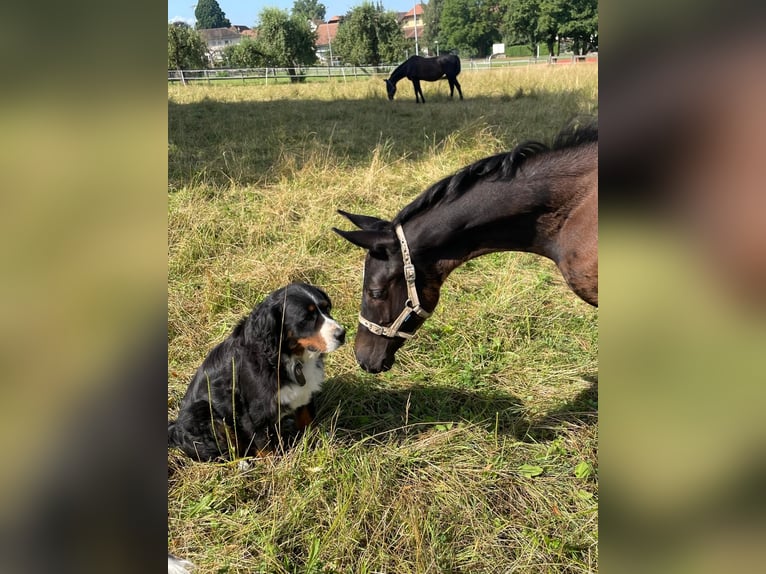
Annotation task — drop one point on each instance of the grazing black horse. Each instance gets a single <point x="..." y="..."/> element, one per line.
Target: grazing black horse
<point x="536" y="199"/>
<point x="417" y="68"/>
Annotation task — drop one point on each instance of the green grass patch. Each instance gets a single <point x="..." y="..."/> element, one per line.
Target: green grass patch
<point x="477" y="452"/>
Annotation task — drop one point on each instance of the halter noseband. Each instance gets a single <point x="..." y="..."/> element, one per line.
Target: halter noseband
<point x="412" y="305"/>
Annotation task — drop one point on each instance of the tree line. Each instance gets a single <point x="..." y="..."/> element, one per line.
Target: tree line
<point x="370" y="35"/>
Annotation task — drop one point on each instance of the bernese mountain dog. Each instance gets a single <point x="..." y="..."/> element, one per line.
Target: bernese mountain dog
<point x="254" y="391"/>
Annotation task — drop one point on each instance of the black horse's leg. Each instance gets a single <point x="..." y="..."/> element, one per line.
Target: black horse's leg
<point x="418" y="90"/>
<point x="459" y="91"/>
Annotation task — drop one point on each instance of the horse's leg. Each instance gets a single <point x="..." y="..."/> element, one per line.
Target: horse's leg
<point x="416" y="86"/>
<point x="457" y="85"/>
<point x="451" y="86"/>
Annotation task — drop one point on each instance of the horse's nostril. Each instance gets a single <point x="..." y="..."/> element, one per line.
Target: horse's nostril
<point x="365" y="367"/>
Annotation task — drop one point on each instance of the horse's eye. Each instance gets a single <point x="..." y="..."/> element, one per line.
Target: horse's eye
<point x="376" y="293"/>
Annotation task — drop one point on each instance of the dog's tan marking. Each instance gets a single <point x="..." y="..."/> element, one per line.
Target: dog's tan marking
<point x="303" y="417"/>
<point x="316" y="341"/>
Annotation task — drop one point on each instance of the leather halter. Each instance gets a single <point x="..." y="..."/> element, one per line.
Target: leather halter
<point x="412" y="305"/>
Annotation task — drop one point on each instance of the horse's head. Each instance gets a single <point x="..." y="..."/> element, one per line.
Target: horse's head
<point x="390" y="88"/>
<point x="391" y="309"/>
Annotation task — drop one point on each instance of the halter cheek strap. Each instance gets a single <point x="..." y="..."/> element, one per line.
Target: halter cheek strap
<point x="412" y="305"/>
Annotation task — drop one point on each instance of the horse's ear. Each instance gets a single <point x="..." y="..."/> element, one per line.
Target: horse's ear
<point x="366" y="222"/>
<point x="374" y="241"/>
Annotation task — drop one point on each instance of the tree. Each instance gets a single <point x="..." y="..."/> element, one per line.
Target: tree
<point x="548" y="23"/>
<point x="470" y="26"/>
<point x="431" y="21"/>
<point x="246" y="54"/>
<point x="520" y="22"/>
<point x="309" y="9"/>
<point x="369" y="35"/>
<point x="210" y="15"/>
<point x="186" y="48"/>
<point x="285" y="41"/>
<point x="535" y="21"/>
<point x="580" y="22"/>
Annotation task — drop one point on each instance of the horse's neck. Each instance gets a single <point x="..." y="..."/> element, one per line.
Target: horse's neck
<point x="398" y="73"/>
<point x="488" y="218"/>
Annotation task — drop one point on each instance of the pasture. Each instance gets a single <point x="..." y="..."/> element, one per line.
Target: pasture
<point x="477" y="452"/>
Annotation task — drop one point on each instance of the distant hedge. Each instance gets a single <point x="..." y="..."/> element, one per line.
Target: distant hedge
<point x="524" y="51"/>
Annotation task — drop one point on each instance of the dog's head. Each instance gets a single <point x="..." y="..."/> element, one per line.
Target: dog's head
<point x="299" y="314"/>
<point x="307" y="321"/>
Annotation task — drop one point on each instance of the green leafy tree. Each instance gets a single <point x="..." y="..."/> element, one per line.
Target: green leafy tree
<point x="310" y="9"/>
<point x="520" y="22"/>
<point x="210" y="15"/>
<point x="580" y="22"/>
<point x="186" y="48"/>
<point x="370" y="35"/>
<point x="552" y="15"/>
<point x="431" y="24"/>
<point x="246" y="54"/>
<point x="471" y="26"/>
<point x="285" y="41"/>
<point x="543" y="21"/>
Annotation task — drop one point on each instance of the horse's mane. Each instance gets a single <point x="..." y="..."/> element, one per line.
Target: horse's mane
<point x="500" y="166"/>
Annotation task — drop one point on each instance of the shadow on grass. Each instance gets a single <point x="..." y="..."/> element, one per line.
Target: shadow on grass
<point x="360" y="410"/>
<point x="219" y="143"/>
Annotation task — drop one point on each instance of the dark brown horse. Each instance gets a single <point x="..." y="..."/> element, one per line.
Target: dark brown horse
<point x="536" y="199"/>
<point x="417" y="68"/>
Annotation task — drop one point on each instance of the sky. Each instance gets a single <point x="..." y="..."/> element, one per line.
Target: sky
<point x="245" y="12"/>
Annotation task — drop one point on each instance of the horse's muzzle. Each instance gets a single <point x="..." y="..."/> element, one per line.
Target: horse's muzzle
<point x="375" y="369"/>
<point x="374" y="353"/>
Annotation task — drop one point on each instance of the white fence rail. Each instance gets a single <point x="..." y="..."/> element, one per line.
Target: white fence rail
<point x="299" y="74"/>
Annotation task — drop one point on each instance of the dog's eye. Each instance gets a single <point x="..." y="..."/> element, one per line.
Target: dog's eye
<point x="376" y="293"/>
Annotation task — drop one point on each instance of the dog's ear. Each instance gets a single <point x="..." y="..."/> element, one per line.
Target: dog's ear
<point x="263" y="328"/>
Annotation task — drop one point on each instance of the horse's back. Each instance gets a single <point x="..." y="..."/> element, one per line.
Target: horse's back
<point x="432" y="69"/>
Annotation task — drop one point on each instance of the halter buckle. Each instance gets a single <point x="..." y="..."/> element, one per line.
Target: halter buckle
<point x="409" y="273"/>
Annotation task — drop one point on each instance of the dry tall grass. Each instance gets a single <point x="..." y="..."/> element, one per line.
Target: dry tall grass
<point x="477" y="452"/>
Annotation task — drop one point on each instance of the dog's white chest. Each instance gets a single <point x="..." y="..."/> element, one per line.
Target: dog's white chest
<point x="293" y="395"/>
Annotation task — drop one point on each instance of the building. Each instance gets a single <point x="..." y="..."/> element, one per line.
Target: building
<point x="219" y="38"/>
<point x="413" y="25"/>
<point x="325" y="35"/>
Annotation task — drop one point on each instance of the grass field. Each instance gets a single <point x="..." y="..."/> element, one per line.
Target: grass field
<point x="477" y="452"/>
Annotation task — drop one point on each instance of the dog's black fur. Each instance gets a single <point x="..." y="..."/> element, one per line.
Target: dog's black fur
<point x="269" y="367"/>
